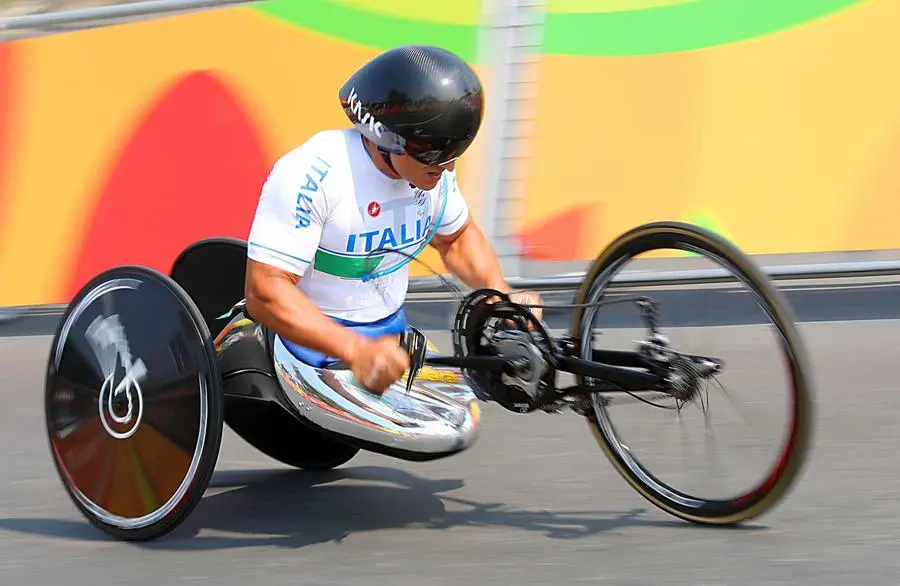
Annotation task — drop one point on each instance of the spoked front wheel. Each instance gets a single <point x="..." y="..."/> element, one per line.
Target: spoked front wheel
<point x="719" y="313"/>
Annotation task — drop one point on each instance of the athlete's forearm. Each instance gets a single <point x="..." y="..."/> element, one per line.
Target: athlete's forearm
<point x="275" y="301"/>
<point x="472" y="259"/>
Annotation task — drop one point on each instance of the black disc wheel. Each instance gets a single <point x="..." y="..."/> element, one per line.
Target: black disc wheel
<point x="722" y="313"/>
<point x="133" y="403"/>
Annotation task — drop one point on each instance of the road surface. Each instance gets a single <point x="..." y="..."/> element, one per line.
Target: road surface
<point x="534" y="502"/>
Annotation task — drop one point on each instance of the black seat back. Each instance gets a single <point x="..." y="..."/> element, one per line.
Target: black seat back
<point x="212" y="272"/>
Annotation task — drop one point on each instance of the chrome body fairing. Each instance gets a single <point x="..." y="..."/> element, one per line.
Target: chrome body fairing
<point x="439" y="416"/>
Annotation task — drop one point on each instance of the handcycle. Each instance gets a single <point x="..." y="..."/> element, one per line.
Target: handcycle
<point x="144" y="369"/>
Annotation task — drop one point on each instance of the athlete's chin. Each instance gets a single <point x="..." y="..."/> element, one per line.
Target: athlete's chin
<point x="427" y="183"/>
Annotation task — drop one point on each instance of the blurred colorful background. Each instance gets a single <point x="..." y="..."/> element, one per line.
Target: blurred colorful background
<point x="774" y="122"/>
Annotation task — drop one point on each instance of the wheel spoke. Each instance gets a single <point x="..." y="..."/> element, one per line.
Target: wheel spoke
<point x="692" y="381"/>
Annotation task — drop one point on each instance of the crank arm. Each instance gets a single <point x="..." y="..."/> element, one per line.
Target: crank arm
<point x="483" y="363"/>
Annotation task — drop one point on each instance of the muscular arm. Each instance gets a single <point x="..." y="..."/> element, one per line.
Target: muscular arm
<point x="468" y="255"/>
<point x="286" y="231"/>
<point x="273" y="299"/>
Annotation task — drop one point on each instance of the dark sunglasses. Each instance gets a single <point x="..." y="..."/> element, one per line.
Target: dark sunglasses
<point x="445" y="153"/>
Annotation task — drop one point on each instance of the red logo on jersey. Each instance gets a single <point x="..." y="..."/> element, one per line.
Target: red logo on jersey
<point x="374" y="209"/>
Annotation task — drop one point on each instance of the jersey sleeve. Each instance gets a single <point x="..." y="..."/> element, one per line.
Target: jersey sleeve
<point x="457" y="211"/>
<point x="291" y="214"/>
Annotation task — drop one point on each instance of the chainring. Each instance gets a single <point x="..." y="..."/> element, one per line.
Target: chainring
<point x="481" y="316"/>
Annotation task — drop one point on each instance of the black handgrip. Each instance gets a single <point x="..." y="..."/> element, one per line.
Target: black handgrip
<point x="415" y="344"/>
<point x="405" y="340"/>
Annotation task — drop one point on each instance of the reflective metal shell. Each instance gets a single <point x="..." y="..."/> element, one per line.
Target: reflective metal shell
<point x="440" y="415"/>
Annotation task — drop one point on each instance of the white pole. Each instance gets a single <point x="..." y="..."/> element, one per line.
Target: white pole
<point x="510" y="46"/>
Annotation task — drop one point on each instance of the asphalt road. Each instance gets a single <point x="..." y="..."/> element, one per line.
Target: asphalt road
<point x="533" y="502"/>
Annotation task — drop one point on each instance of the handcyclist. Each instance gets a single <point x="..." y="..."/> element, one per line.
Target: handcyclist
<point x="340" y="216"/>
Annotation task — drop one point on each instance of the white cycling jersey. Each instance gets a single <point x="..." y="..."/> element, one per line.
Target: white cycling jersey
<point x="323" y="210"/>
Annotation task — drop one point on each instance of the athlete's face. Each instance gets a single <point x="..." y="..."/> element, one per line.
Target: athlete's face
<point x="419" y="174"/>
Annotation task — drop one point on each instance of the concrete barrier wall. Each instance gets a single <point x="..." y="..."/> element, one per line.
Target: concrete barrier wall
<point x="776" y="123"/>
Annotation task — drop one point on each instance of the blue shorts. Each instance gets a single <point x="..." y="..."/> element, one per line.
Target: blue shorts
<point x="393" y="324"/>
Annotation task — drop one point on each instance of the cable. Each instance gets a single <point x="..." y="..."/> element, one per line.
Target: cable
<point x="458" y="293"/>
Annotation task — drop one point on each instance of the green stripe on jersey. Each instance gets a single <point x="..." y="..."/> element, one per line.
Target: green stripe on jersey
<point x="345" y="267"/>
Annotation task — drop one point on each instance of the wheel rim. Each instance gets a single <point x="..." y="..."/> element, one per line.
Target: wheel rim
<point x="127" y="399"/>
<point x="688" y="504"/>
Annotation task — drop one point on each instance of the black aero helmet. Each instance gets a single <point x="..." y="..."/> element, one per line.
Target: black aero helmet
<point x="417" y="100"/>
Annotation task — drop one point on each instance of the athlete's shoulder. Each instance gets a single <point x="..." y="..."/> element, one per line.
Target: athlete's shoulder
<point x="326" y="148"/>
<point x="299" y="181"/>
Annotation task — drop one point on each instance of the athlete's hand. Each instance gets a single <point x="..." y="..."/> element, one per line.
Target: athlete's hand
<point x="529" y="298"/>
<point x="525" y="298"/>
<point x="379" y="363"/>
